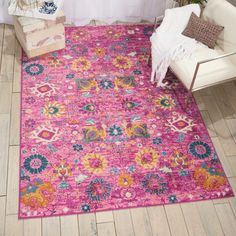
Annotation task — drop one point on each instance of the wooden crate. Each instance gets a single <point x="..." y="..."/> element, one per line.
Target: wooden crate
<point x="38" y="36"/>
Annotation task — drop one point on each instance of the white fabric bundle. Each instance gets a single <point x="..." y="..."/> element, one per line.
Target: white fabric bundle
<point x="168" y="43"/>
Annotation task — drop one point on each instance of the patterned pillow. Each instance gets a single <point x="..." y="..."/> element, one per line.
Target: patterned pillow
<point x="203" y="31"/>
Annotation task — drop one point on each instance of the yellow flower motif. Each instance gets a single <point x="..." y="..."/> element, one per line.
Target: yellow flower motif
<point x="166" y="102"/>
<point x="81" y="64"/>
<point x="122" y="62"/>
<point x="54" y="109"/>
<point x="125" y="180"/>
<point x="147" y="158"/>
<point x="95" y="163"/>
<point x="100" y="52"/>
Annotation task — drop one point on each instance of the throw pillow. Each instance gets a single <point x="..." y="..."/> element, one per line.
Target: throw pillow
<point x="203" y="31"/>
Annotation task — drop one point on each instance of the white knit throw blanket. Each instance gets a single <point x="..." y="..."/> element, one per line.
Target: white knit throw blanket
<point x="168" y="43"/>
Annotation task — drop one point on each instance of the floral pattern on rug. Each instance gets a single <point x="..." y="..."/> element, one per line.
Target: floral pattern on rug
<point x="97" y="135"/>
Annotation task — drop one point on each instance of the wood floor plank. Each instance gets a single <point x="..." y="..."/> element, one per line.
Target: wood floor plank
<point x="209" y="218"/>
<point x="231" y="123"/>
<point x="199" y="101"/>
<point x="176" y="220"/>
<point x="13" y="181"/>
<point x="206" y="92"/>
<point x="230" y="89"/>
<point x="220" y="126"/>
<point x="2" y="26"/>
<point x="69" y="225"/>
<point x="15" y="120"/>
<point x="106" y="229"/>
<point x="232" y="163"/>
<point x="223" y="101"/>
<point x="158" y="221"/>
<point x="227" y="219"/>
<point x="8" y="53"/>
<point x="5" y="97"/>
<point x="123" y="223"/>
<point x="232" y="201"/>
<point x="4" y="137"/>
<point x="87" y="225"/>
<point x="141" y="222"/>
<point x="193" y="219"/>
<point x="103" y="217"/>
<point x="51" y="226"/>
<point x="18" y="49"/>
<point x="2" y="213"/>
<point x="33" y="227"/>
<point x="9" y="40"/>
<point x="17" y="69"/>
<point x="226" y="165"/>
<point x="208" y="123"/>
<point x="13" y="226"/>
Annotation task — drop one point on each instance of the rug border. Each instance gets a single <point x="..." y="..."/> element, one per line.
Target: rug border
<point x="123" y="208"/>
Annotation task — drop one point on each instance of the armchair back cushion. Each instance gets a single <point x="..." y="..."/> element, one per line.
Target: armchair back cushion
<point x="222" y="13"/>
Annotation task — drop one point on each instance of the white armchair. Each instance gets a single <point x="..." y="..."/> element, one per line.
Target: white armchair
<point x="208" y="67"/>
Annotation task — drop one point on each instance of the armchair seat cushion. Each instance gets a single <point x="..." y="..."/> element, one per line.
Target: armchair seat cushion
<point x="209" y="73"/>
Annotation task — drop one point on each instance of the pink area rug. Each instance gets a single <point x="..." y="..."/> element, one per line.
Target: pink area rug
<point x="96" y="135"/>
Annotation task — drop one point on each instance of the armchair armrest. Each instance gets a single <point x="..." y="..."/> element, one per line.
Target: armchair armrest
<point x="205" y="61"/>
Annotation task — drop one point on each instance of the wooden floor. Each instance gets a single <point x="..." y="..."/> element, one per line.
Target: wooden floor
<point x="218" y="217"/>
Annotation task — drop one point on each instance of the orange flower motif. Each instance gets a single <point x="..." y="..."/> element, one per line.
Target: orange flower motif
<point x="38" y="196"/>
<point x="100" y="52"/>
<point x="125" y="180"/>
<point x="207" y="180"/>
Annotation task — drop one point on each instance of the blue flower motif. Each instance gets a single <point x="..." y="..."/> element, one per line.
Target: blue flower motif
<point x="79" y="49"/>
<point x="68" y="42"/>
<point x="200" y="149"/>
<point x="85" y="208"/>
<point x="172" y="198"/>
<point x="154" y="184"/>
<point x="115" y="131"/>
<point x="164" y="153"/>
<point x="143" y="50"/>
<point x="132" y="168"/>
<point x="70" y="76"/>
<point x="157" y="141"/>
<point x="137" y="72"/>
<point x="34" y="69"/>
<point x="183" y="173"/>
<point x="77" y="147"/>
<point x="63" y="185"/>
<point x="98" y="189"/>
<point x="106" y="84"/>
<point x="35" y="163"/>
<point x="31" y="188"/>
<point x="115" y="171"/>
<point x="118" y="47"/>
